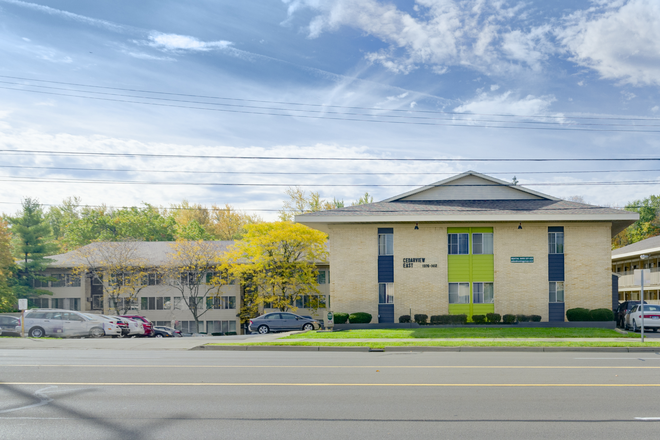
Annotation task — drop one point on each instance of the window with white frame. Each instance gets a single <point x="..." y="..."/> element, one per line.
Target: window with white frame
<point x="221" y="302"/>
<point x="220" y="327"/>
<point x="458" y="244"/>
<point x="321" y="278"/>
<point x="39" y="303"/>
<point x="189" y="326"/>
<point x="385" y="244"/>
<point x="459" y="293"/>
<point x="59" y="281"/>
<point x="556" y="292"/>
<point x="66" y="303"/>
<point x="155" y="303"/>
<point x="385" y="293"/>
<point x="555" y="242"/>
<point x="482" y="293"/>
<point x="482" y="243"/>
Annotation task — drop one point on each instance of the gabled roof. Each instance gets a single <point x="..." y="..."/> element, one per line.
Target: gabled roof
<point x="647" y="246"/>
<point x="471" y="185"/>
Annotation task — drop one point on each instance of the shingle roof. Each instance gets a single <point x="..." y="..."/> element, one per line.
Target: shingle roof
<point x="639" y="247"/>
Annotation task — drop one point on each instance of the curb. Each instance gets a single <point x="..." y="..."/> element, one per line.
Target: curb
<point x="428" y="349"/>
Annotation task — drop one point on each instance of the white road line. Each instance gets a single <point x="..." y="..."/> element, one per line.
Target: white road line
<point x="43" y="400"/>
<point x="647" y="418"/>
<point x="616" y="359"/>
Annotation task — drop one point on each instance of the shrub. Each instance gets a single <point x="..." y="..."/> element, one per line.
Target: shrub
<point x="421" y="318"/>
<point x="217" y="334"/>
<point x="493" y="318"/>
<point x="601" y="315"/>
<point x="341" y="318"/>
<point x="578" y="314"/>
<point x="523" y="318"/>
<point x="231" y="333"/>
<point x="359" y="318"/>
<point x="509" y="319"/>
<point x="536" y="318"/>
<point x="441" y="319"/>
<point x="459" y="319"/>
<point x="479" y="319"/>
<point x="404" y="318"/>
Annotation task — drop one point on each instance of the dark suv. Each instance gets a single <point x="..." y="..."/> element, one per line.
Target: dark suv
<point x="620" y="312"/>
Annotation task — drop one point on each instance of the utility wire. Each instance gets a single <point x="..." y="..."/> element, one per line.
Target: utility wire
<point x="321" y="105"/>
<point x="361" y="159"/>
<point x="437" y="124"/>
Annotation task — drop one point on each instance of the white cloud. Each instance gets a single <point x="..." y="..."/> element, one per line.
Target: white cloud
<point x="507" y="103"/>
<point x="628" y="95"/>
<point x="146" y="56"/>
<point x="654" y="109"/>
<point x="619" y="40"/>
<point x="494" y="87"/>
<point x="175" y="42"/>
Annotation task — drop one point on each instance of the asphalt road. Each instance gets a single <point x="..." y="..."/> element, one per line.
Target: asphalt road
<point x="114" y="394"/>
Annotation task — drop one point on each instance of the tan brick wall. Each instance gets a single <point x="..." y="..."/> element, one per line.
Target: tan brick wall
<point x="520" y="288"/>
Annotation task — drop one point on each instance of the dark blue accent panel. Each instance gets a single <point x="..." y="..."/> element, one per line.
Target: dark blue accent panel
<point x="555" y="267"/>
<point x="386" y="230"/>
<point x="385" y="313"/>
<point x="615" y="291"/>
<point x="556" y="312"/>
<point x="555" y="229"/>
<point x="386" y="268"/>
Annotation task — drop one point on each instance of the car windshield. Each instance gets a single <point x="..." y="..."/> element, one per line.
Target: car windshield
<point x="651" y="308"/>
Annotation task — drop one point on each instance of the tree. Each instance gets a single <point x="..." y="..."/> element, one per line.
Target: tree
<point x="299" y="203"/>
<point x="229" y="224"/>
<point x="119" y="266"/>
<point x="514" y="181"/>
<point x="31" y="233"/>
<point x="647" y="226"/>
<point x="576" y="199"/>
<point x="7" y="297"/>
<point x="364" y="200"/>
<point x="276" y="263"/>
<point x="193" y="268"/>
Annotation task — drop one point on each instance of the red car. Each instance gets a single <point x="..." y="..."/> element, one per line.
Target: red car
<point x="148" y="326"/>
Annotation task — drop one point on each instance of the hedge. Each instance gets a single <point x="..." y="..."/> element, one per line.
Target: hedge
<point x="536" y="318"/>
<point x="341" y="318"/>
<point x="449" y="319"/>
<point x="479" y="319"/>
<point x="404" y="319"/>
<point x="509" y="319"/>
<point x="523" y="318"/>
<point x="601" y="315"/>
<point x="421" y="319"/>
<point x="359" y="318"/>
<point x="578" y="314"/>
<point x="493" y="318"/>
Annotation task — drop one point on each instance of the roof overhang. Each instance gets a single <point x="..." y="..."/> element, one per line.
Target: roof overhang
<point x="636" y="253"/>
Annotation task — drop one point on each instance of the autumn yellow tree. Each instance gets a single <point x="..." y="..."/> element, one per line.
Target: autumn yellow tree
<point x="276" y="264"/>
<point x="193" y="268"/>
<point x="300" y="202"/>
<point x="227" y="223"/>
<point x="119" y="266"/>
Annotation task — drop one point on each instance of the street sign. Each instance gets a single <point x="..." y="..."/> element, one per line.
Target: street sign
<point x="22" y="304"/>
<point x="329" y="316"/>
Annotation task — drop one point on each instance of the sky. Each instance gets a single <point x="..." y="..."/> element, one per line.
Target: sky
<point x="218" y="84"/>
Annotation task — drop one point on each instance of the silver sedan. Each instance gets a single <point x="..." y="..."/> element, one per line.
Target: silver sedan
<point x="281" y="322"/>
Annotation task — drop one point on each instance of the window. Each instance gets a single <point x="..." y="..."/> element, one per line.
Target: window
<point x="155" y="303"/>
<point x="220" y="327"/>
<point x="155" y="279"/>
<point x="459" y="293"/>
<point x="482" y="244"/>
<point x="178" y="303"/>
<point x="385" y="244"/>
<point x="72" y="280"/>
<point x="39" y="283"/>
<point x="189" y="326"/>
<point x="97" y="280"/>
<point x="66" y="303"/>
<point x="458" y="244"/>
<point x="555" y="242"/>
<point x="221" y="302"/>
<point x="320" y="279"/>
<point x="385" y="293"/>
<point x="556" y="291"/>
<point x="482" y="293"/>
<point x="60" y="280"/>
<point x="39" y="303"/>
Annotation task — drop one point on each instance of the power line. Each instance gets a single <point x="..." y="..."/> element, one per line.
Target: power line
<point x="325" y="111"/>
<point x="327" y="117"/>
<point x="321" y="105"/>
<point x="361" y="159"/>
<point x="128" y="170"/>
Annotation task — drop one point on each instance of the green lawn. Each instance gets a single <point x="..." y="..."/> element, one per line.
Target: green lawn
<point x="468" y="333"/>
<point x="475" y="343"/>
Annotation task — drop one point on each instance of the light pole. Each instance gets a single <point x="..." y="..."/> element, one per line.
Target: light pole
<point x="641" y="302"/>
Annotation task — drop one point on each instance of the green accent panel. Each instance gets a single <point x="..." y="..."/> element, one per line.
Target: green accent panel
<point x="459" y="309"/>
<point x="482" y="309"/>
<point x="458" y="230"/>
<point x="482" y="229"/>
<point x="482" y="268"/>
<point x="458" y="268"/>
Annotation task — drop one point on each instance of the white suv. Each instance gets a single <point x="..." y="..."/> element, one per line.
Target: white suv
<point x="61" y="323"/>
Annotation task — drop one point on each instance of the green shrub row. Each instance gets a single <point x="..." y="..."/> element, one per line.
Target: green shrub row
<point x="449" y="319"/>
<point x="580" y="314"/>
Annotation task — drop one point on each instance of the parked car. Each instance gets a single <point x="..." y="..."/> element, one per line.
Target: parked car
<point x="174" y="331"/>
<point x="320" y="321"/>
<point x="281" y="321"/>
<point x="123" y="325"/>
<point x="148" y="326"/>
<point x="10" y="326"/>
<point x="135" y="327"/>
<point x="110" y="327"/>
<point x="622" y="310"/>
<point x="163" y="332"/>
<point x="651" y="318"/>
<point x="61" y="323"/>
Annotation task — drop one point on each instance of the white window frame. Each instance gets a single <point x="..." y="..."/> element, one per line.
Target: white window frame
<point x="458" y="293"/>
<point x="457" y="245"/>
<point x="385" y="244"/>
<point x="481" y="285"/>
<point x="387" y="294"/>
<point x="553" y="245"/>
<point x="482" y="235"/>
<point x="553" y="290"/>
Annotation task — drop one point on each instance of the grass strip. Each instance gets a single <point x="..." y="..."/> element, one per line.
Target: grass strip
<point x="476" y="343"/>
<point x="432" y="333"/>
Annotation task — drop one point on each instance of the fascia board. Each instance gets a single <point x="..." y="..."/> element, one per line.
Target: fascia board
<point x="408" y="218"/>
<point x="636" y="253"/>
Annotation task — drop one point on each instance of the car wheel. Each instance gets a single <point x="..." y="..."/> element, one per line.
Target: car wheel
<point x="263" y="329"/>
<point x="37" y="332"/>
<point x="96" y="332"/>
<point x="158" y="335"/>
<point x="308" y="326"/>
<point x="634" y="326"/>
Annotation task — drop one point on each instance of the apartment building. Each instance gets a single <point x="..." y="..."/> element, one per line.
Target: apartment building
<point x="628" y="258"/>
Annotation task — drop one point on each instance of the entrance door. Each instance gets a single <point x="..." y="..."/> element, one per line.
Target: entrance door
<point x="385" y="313"/>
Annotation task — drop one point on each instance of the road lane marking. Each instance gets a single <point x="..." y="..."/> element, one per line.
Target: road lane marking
<point x="647" y="418"/>
<point x="531" y="367"/>
<point x="278" y="384"/>
<point x="43" y="400"/>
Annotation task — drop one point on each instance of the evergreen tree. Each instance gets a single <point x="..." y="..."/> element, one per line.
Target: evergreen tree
<point x="32" y="233"/>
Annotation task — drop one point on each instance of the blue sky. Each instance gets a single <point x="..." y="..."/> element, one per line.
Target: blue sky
<point x="558" y="65"/>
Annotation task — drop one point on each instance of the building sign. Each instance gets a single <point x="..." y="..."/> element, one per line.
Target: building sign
<point x="421" y="262"/>
<point x="522" y="259"/>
